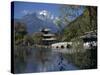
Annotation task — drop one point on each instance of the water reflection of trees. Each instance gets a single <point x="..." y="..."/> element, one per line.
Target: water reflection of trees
<point x="84" y="60"/>
<point x="21" y="55"/>
<point x="42" y="56"/>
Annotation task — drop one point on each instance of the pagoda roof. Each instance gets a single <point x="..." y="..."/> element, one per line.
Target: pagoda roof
<point x="47" y="39"/>
<point x="45" y="29"/>
<point x="48" y="34"/>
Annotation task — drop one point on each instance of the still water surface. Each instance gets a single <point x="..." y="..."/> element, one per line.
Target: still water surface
<point x="41" y="60"/>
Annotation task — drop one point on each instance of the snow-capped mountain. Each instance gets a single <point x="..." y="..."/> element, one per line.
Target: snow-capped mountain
<point x="35" y="21"/>
<point x="45" y="15"/>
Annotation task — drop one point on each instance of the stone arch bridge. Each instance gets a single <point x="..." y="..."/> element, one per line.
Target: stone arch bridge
<point x="61" y="45"/>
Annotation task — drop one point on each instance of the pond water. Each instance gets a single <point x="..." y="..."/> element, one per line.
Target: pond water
<point x="30" y="60"/>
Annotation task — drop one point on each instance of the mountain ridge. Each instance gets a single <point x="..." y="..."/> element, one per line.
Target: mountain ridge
<point x="34" y="24"/>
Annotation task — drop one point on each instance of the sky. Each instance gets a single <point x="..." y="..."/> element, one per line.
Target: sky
<point x="23" y="8"/>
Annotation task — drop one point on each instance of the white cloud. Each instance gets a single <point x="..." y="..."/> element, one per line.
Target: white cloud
<point x="26" y="12"/>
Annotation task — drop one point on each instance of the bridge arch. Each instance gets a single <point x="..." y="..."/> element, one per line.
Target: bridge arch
<point x="61" y="45"/>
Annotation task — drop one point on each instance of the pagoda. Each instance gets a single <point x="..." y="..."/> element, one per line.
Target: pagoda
<point x="48" y="37"/>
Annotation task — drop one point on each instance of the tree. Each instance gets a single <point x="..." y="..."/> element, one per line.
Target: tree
<point x="68" y="13"/>
<point x="20" y="30"/>
<point x="37" y="37"/>
<point x="28" y="40"/>
<point x="93" y="17"/>
<point x="86" y="22"/>
<point x="77" y="27"/>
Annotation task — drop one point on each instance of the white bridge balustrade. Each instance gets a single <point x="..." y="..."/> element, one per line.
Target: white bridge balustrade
<point x="89" y="45"/>
<point x="61" y="45"/>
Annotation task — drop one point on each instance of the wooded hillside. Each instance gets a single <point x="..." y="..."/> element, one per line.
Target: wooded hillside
<point x="84" y="23"/>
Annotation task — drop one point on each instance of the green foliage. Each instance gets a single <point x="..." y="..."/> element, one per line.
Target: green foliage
<point x="78" y="45"/>
<point x="28" y="39"/>
<point x="37" y="38"/>
<point x="84" y="23"/>
<point x="20" y="31"/>
<point x="93" y="17"/>
<point x="20" y="28"/>
<point x="79" y="26"/>
<point x="58" y="23"/>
